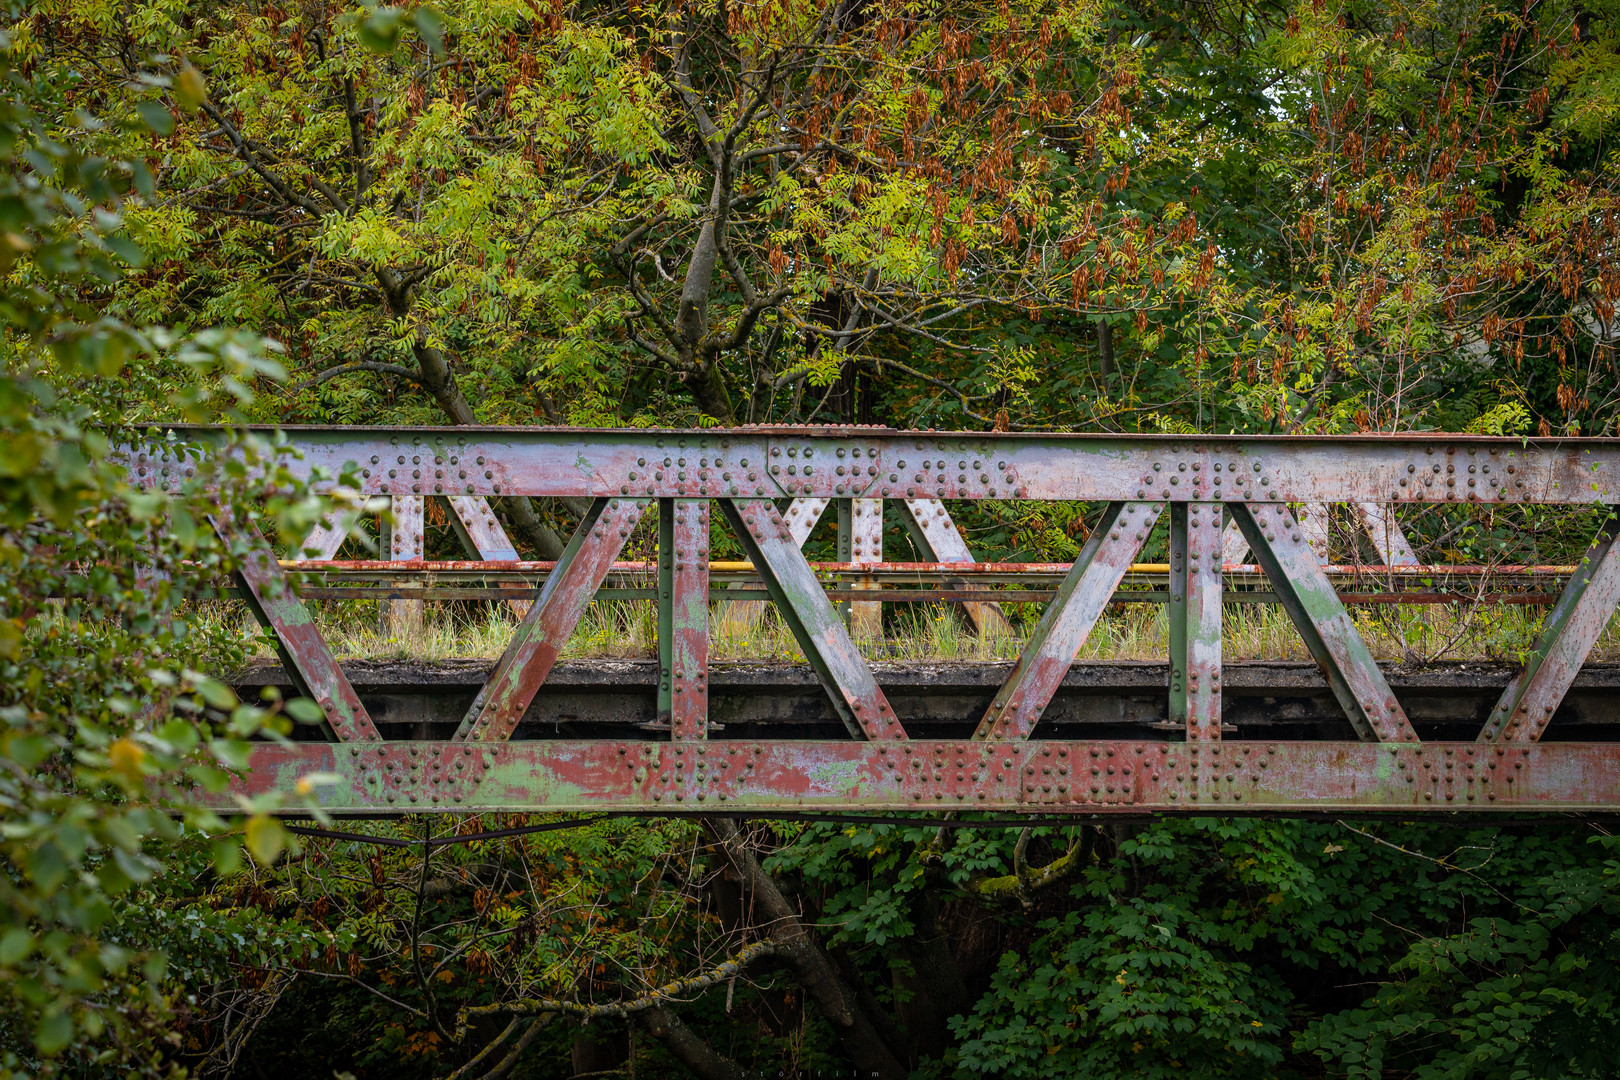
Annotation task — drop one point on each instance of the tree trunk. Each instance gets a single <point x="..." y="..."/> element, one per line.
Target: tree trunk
<point x="811" y="966"/>
<point x="708" y="388"/>
<point x="687" y="1048"/>
<point x="935" y="990"/>
<point x="440" y="382"/>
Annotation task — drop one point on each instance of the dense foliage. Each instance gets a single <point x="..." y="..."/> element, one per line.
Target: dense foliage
<point x="1080" y="214"/>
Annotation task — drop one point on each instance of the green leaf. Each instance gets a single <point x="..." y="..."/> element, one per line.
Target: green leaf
<point x="54" y="1032"/>
<point x="304" y="710"/>
<point x="379" y="31"/>
<point x="227" y="856"/>
<point x="430" y="25"/>
<point x="15" y="944"/>
<point x="190" y="90"/>
<point x="125" y="249"/>
<point x="157" y="117"/>
<point x="266" y="839"/>
<point x="11" y="635"/>
<point x="215" y="692"/>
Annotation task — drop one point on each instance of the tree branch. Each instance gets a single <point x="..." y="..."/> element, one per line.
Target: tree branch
<point x="690" y="1050"/>
<point x="732" y="967"/>
<point x="358" y="365"/>
<point x="1023" y="883"/>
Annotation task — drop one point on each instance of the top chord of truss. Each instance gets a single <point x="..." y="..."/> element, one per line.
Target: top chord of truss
<point x="877" y="463"/>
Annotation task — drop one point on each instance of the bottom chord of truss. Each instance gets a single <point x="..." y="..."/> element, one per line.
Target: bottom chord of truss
<point x="1047" y="777"/>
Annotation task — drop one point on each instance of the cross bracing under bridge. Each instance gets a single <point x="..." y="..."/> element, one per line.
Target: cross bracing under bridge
<point x="1267" y="488"/>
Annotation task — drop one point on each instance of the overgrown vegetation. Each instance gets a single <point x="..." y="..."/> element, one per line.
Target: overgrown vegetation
<point x="1110" y="216"/>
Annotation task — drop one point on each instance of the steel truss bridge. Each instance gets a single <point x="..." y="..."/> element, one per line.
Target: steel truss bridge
<point x="1008" y="743"/>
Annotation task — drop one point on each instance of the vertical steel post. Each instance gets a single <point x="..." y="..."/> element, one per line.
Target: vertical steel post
<point x="1309" y="598"/>
<point x="1057" y="638"/>
<point x="402" y="542"/>
<point x="683" y="617"/>
<point x="1195" y="619"/>
<point x="1572" y="628"/>
<point x="860" y="540"/>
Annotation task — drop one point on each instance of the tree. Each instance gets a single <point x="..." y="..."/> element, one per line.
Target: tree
<point x="102" y="706"/>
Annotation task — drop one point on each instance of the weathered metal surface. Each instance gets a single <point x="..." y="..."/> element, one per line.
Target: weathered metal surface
<point x="936" y="538"/>
<point x="1228" y="760"/>
<point x="1322" y="621"/>
<point x="801" y="517"/>
<point x="866" y="463"/>
<point x="768" y="700"/>
<point x="1049" y="776"/>
<point x="1386" y="535"/>
<point x="1057" y="638"/>
<point x="1013" y="571"/>
<point x="683" y="617"/>
<point x="403" y="529"/>
<point x="1572" y="628"/>
<point x="299" y="642"/>
<point x="481" y="534"/>
<point x="325" y="539"/>
<point x="804" y="607"/>
<point x="1195" y="619"/>
<point x="545" y="629"/>
<point x="739" y="616"/>
<point x="860" y="543"/>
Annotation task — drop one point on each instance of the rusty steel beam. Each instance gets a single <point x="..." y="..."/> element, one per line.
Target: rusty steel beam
<point x="480" y="532"/>
<point x="860" y="543"/>
<point x="544" y="630"/>
<point x="403" y="535"/>
<point x="1195" y="619"/>
<point x="685" y="764"/>
<point x="299" y="643"/>
<point x="1322" y="621"/>
<point x="683" y="617"/>
<point x="1045" y="776"/>
<point x="1582" y="613"/>
<point x="875" y="464"/>
<point x="936" y="538"/>
<point x="808" y="613"/>
<point x="1013" y="571"/>
<point x="1057" y="638"/>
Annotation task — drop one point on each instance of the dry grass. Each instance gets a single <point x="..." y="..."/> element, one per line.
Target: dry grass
<point x="628" y="629"/>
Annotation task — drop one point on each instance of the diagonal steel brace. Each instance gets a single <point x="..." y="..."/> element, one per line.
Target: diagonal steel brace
<point x="1572" y="628"/>
<point x="803" y="605"/>
<point x="1057" y="638"/>
<point x="544" y="631"/>
<point x="304" y="653"/>
<point x="1306" y="594"/>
